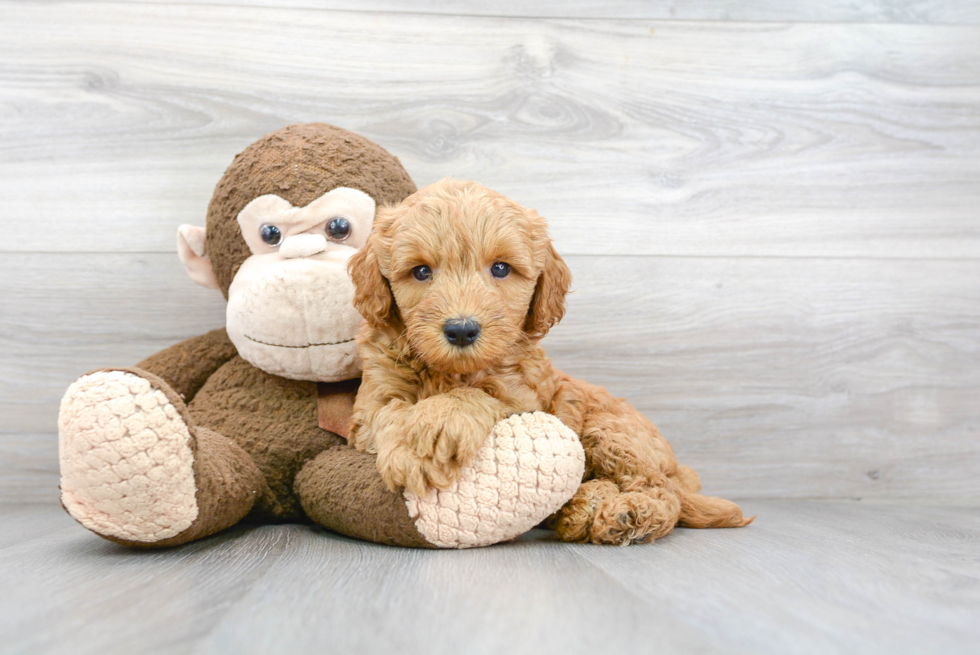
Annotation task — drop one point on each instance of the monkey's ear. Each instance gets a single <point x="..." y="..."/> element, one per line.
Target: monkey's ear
<point x="372" y="293"/>
<point x="190" y="249"/>
<point x="548" y="302"/>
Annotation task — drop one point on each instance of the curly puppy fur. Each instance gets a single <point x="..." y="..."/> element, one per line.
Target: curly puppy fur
<point x="425" y="405"/>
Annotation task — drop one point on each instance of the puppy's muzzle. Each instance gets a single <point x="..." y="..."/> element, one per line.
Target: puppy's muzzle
<point x="461" y="332"/>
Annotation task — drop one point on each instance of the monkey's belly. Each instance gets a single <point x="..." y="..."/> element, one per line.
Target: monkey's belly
<point x="273" y="419"/>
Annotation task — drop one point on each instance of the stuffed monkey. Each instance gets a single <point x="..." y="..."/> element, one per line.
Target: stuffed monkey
<point x="248" y="421"/>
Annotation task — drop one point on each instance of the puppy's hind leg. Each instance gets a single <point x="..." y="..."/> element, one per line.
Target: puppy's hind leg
<point x="634" y="490"/>
<point x="601" y="513"/>
<point x="629" y="496"/>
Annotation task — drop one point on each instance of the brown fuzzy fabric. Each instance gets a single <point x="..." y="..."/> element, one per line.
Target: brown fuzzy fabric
<point x="273" y="419"/>
<point x="186" y="366"/>
<point x="253" y="432"/>
<point x="298" y="163"/>
<point x="341" y="490"/>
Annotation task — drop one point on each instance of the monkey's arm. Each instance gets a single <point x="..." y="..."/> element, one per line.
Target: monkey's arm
<point x="186" y="366"/>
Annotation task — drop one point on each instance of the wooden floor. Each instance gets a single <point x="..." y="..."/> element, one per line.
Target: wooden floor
<point x="806" y="577"/>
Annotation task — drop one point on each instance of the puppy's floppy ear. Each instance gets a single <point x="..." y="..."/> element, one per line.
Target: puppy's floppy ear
<point x="372" y="293"/>
<point x="548" y="302"/>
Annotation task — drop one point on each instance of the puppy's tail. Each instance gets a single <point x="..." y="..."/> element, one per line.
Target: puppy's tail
<point x="699" y="511"/>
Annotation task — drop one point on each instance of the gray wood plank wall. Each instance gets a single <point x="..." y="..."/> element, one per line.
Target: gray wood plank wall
<point x="772" y="210"/>
<point x="955" y="12"/>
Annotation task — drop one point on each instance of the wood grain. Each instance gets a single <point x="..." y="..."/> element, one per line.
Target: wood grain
<point x="956" y="12"/>
<point x="632" y="137"/>
<point x="786" y="213"/>
<point x="805" y="578"/>
<point x="773" y="377"/>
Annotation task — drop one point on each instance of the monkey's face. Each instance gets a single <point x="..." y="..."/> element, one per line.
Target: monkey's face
<point x="290" y="305"/>
<point x="284" y="219"/>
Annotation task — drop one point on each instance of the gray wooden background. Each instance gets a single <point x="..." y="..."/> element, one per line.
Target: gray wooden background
<point x="771" y="209"/>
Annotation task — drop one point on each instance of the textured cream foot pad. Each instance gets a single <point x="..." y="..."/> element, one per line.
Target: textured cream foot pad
<point x="527" y="470"/>
<point x="126" y="460"/>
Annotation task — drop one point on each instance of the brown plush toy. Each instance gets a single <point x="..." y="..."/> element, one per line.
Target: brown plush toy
<point x="248" y="421"/>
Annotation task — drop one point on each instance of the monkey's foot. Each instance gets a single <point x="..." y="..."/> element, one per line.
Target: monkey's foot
<point x="529" y="467"/>
<point x="127" y="458"/>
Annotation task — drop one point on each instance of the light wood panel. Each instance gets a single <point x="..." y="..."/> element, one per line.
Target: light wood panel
<point x="29" y="462"/>
<point x="957" y="12"/>
<point x="635" y="137"/>
<point x="773" y="377"/>
<point x="805" y="578"/>
<point x="788" y="335"/>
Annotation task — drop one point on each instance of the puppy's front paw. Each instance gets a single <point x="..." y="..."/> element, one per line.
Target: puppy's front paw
<point x="445" y="433"/>
<point x="435" y="439"/>
<point x="399" y="467"/>
<point x="402" y="467"/>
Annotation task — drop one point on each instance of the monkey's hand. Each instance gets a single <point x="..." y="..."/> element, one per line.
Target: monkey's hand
<point x="439" y="436"/>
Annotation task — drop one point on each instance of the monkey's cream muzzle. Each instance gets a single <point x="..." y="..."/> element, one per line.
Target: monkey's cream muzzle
<point x="291" y="304"/>
<point x="293" y="315"/>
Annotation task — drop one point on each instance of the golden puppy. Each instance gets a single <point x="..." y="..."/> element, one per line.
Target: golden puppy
<point x="458" y="285"/>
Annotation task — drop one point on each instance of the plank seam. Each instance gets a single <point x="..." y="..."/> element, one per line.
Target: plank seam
<point x="376" y="12"/>
<point x="566" y="253"/>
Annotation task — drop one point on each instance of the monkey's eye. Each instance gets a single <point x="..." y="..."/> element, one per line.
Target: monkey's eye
<point x="500" y="270"/>
<point x="422" y="273"/>
<point x="270" y="235"/>
<point x="338" y="229"/>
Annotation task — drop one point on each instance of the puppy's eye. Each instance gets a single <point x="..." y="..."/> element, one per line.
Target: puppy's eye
<point x="338" y="229"/>
<point x="500" y="270"/>
<point x="270" y="235"/>
<point x="422" y="273"/>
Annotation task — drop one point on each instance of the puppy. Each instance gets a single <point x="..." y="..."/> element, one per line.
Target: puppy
<point x="458" y="285"/>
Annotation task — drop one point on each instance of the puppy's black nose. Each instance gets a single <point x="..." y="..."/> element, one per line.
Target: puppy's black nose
<point x="461" y="331"/>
